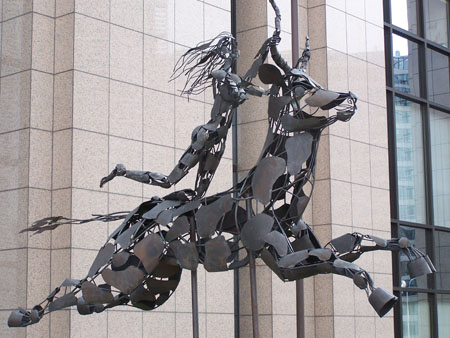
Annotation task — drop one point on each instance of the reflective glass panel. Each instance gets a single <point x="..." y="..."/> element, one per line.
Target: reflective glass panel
<point x="442" y="260"/>
<point x="415" y="315"/>
<point x="440" y="161"/>
<point x="417" y="237"/>
<point x="443" y="303"/>
<point x="406" y="65"/>
<point x="410" y="166"/>
<point x="436" y="19"/>
<point x="403" y="14"/>
<point x="438" y="78"/>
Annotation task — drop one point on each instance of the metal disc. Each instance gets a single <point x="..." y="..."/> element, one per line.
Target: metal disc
<point x="67" y="300"/>
<point x="149" y="251"/>
<point x="321" y="98"/>
<point x="216" y="254"/>
<point x="255" y="230"/>
<point x="266" y="173"/>
<point x="323" y="254"/>
<point x="209" y="215"/>
<point x="186" y="254"/>
<point x="298" y="150"/>
<point x="270" y="74"/>
<point x="344" y="243"/>
<point x="179" y="227"/>
<point x="278" y="241"/>
<point x="276" y="104"/>
<point x="293" y="258"/>
<point x="125" y="280"/>
<point x="103" y="257"/>
<point x="293" y="124"/>
<point x="95" y="295"/>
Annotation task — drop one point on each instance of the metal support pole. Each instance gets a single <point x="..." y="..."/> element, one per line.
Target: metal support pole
<point x="299" y="290"/>
<point x="254" y="296"/>
<point x="194" y="286"/>
<point x="300" y="303"/>
<point x="253" y="293"/>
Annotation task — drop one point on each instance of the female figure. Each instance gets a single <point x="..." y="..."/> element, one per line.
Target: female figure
<point x="142" y="260"/>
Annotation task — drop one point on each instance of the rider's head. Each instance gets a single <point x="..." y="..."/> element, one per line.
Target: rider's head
<point x="198" y="62"/>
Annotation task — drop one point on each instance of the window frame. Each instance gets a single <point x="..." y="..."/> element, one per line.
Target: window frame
<point x="425" y="104"/>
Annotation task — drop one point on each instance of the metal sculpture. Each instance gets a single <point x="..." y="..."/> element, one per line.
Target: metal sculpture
<point x="142" y="260"/>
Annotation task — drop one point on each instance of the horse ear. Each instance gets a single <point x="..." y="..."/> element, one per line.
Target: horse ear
<point x="269" y="74"/>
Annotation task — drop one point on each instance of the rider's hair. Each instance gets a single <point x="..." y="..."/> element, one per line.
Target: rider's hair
<point x="198" y="62"/>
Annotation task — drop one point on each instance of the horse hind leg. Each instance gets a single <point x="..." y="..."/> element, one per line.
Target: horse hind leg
<point x="146" y="274"/>
<point x="126" y="277"/>
<point x="92" y="297"/>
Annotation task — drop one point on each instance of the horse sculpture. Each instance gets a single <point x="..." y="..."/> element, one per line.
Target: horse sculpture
<point x="260" y="216"/>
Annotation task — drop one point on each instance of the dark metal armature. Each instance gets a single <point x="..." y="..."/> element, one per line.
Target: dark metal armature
<point x="143" y="259"/>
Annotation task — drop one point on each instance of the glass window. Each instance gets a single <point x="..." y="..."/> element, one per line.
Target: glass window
<point x="440" y="161"/>
<point x="411" y="186"/>
<point x="415" y="315"/>
<point x="436" y="19"/>
<point x="443" y="303"/>
<point x="406" y="65"/>
<point x="420" y="37"/>
<point x="403" y="14"/>
<point x="418" y="238"/>
<point x="438" y="78"/>
<point x="442" y="260"/>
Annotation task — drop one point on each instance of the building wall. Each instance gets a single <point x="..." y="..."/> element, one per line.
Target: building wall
<point x="276" y="299"/>
<point x="352" y="190"/>
<point x="84" y="86"/>
<point x="26" y="114"/>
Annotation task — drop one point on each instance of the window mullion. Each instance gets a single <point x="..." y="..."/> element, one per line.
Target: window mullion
<point x="420" y="18"/>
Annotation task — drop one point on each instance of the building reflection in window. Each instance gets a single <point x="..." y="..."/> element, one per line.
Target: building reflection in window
<point x="410" y="166"/>
<point x="416" y="315"/>
<point x="417" y="237"/>
<point x="406" y="65"/>
<point x="436" y="21"/>
<point x="440" y="161"/>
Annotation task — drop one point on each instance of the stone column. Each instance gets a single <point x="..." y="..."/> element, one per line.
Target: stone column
<point x="352" y="191"/>
<point x="276" y="299"/>
<point x="352" y="187"/>
<point x="26" y="119"/>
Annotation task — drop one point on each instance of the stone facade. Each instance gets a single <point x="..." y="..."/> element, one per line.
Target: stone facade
<point x="84" y="85"/>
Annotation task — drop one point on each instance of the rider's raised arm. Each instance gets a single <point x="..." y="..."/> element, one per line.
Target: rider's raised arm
<point x="200" y="140"/>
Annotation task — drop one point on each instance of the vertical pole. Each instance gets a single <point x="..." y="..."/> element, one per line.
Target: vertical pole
<point x="300" y="301"/>
<point x="235" y="176"/>
<point x="300" y="304"/>
<point x="255" y="319"/>
<point x="194" y="285"/>
<point x="253" y="293"/>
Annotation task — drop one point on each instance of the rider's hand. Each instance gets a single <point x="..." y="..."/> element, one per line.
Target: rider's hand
<point x="119" y="170"/>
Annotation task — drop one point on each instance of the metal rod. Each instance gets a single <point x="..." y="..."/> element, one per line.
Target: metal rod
<point x="194" y="286"/>
<point x="299" y="288"/>
<point x="295" y="33"/>
<point x="237" y="328"/>
<point x="252" y="269"/>
<point x="300" y="304"/>
<point x="254" y="296"/>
